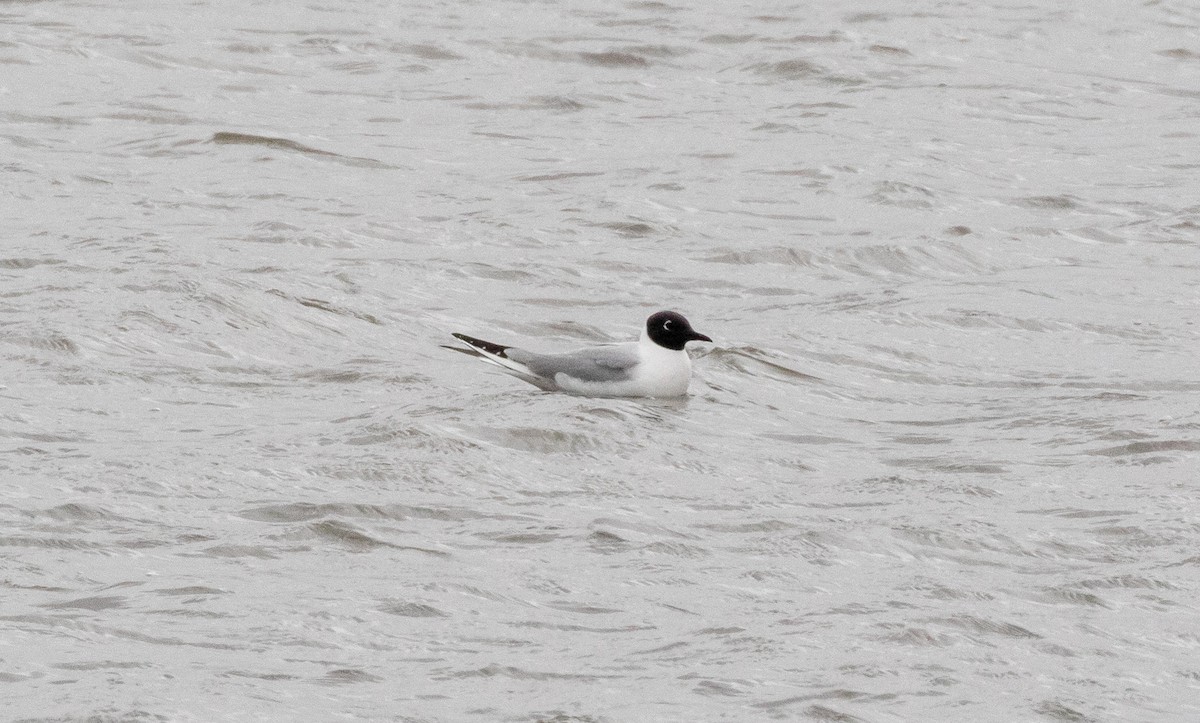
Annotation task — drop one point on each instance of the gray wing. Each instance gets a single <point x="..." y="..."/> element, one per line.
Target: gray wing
<point x="610" y="363"/>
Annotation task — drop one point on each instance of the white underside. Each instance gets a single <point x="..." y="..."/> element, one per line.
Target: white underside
<point x="659" y="372"/>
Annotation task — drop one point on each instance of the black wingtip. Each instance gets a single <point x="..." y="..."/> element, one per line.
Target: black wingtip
<point x="487" y="346"/>
<point x="461" y="350"/>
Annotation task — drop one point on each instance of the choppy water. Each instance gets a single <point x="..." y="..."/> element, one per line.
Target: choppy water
<point x="941" y="464"/>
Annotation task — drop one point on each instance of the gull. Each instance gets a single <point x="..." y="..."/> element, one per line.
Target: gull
<point x="654" y="366"/>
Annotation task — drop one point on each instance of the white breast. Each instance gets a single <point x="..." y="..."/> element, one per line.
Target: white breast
<point x="662" y="372"/>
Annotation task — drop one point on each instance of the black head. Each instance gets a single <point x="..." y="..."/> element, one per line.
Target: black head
<point x="670" y="330"/>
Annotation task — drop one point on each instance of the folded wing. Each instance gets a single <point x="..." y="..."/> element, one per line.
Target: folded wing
<point x="502" y="356"/>
<point x="602" y="364"/>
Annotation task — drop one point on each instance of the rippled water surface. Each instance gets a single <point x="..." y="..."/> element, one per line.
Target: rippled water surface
<point x="942" y="462"/>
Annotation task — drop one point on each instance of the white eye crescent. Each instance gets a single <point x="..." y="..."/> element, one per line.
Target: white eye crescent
<point x="667" y="324"/>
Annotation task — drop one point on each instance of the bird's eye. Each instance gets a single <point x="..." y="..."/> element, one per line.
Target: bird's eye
<point x="667" y="324"/>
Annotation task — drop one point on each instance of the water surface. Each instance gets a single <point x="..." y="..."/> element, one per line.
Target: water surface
<point x="940" y="464"/>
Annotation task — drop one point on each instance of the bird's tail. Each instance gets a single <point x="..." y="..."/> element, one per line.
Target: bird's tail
<point x="498" y="355"/>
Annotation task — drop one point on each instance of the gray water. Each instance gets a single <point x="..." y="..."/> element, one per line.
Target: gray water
<point x="941" y="462"/>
